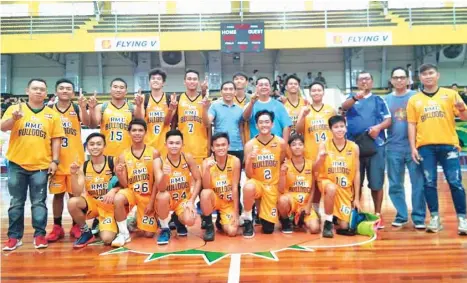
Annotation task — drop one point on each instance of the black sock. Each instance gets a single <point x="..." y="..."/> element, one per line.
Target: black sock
<point x="208" y="219"/>
<point x="58" y="221"/>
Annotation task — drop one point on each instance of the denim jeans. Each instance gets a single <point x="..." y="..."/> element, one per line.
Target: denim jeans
<point x="19" y="180"/>
<point x="397" y="161"/>
<point x="448" y="157"/>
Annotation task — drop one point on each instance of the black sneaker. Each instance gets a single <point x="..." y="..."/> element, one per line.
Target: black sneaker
<point x="257" y="220"/>
<point x="328" y="229"/>
<point x="172" y="225"/>
<point x="203" y="224"/>
<point x="181" y="229"/>
<point x="248" y="230"/>
<point x="209" y="233"/>
<point x="286" y="225"/>
<point x="95" y="226"/>
<point x="299" y="220"/>
<point x="218" y="223"/>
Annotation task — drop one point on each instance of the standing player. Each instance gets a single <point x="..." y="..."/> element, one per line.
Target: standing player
<point x="135" y="172"/>
<point x="190" y="118"/>
<point x="264" y="156"/>
<point x="33" y="152"/>
<point x="72" y="149"/>
<point x="174" y="175"/>
<point x="339" y="176"/>
<point x="159" y="110"/>
<point x="92" y="198"/>
<point x="221" y="175"/>
<point x="433" y="139"/>
<point x="114" y="117"/>
<point x="241" y="99"/>
<point x="293" y="103"/>
<point x="297" y="187"/>
<point x="313" y="124"/>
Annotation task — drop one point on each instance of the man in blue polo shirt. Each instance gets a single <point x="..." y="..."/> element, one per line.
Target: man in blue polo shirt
<point x="227" y="117"/>
<point x="369" y="113"/>
<point x="261" y="100"/>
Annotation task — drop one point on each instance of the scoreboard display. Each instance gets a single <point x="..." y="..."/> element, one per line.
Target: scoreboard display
<point x="242" y="37"/>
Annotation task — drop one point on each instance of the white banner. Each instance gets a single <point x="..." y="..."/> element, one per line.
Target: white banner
<point x="127" y="44"/>
<point x="343" y="39"/>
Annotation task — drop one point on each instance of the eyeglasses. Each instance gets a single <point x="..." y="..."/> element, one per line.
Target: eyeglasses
<point x="364" y="79"/>
<point x="399" y="78"/>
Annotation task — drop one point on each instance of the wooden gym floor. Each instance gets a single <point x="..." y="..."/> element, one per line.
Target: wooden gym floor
<point x="397" y="255"/>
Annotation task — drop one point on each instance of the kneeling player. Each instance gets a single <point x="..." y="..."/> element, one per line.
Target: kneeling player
<point x="339" y="176"/>
<point x="297" y="187"/>
<point x="135" y="173"/>
<point x="174" y="174"/>
<point x="97" y="200"/>
<point x="221" y="173"/>
<point x="264" y="156"/>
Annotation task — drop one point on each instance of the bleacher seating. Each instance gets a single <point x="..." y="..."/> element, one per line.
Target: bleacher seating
<point x="41" y="24"/>
<point x="433" y="16"/>
<point x="211" y="22"/>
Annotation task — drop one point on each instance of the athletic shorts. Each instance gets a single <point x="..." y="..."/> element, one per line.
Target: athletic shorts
<point x="226" y="209"/>
<point x="144" y="222"/>
<point x="60" y="184"/>
<point x="374" y="167"/>
<point x="178" y="201"/>
<point x="104" y="212"/>
<point x="298" y="204"/>
<point x="342" y="200"/>
<point x="268" y="195"/>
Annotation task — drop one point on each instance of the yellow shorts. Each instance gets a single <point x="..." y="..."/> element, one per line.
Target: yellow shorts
<point x="268" y="195"/>
<point x="298" y="202"/>
<point x="105" y="213"/>
<point x="178" y="201"/>
<point x="342" y="200"/>
<point x="144" y="222"/>
<point x="226" y="209"/>
<point x="60" y="184"/>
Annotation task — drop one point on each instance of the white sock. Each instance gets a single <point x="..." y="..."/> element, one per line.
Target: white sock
<point x="247" y="215"/>
<point x="122" y="228"/>
<point x="315" y="207"/>
<point x="328" y="217"/>
<point x="165" y="222"/>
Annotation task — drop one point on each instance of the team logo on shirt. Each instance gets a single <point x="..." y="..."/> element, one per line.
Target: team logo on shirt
<point x="401" y="114"/>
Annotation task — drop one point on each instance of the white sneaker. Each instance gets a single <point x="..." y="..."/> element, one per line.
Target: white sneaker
<point x="121" y="240"/>
<point x="398" y="223"/>
<point x="419" y="226"/>
<point x="462" y="226"/>
<point x="435" y="225"/>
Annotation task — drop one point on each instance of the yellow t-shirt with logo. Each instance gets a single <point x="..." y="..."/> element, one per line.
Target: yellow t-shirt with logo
<point x="267" y="165"/>
<point x="72" y="146"/>
<point x="30" y="144"/>
<point x="434" y="117"/>
<point x="114" y="127"/>
<point x="140" y="170"/>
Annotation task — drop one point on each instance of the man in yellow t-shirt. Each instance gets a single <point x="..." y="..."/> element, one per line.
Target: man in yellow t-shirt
<point x="33" y="152"/>
<point x="433" y="139"/>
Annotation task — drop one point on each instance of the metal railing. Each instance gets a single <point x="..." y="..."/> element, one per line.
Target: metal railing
<point x="110" y="21"/>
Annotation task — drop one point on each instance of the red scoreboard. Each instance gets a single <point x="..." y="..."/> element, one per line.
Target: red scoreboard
<point x="242" y="37"/>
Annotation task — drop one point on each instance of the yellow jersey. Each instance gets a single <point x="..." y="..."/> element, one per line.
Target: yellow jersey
<point x="96" y="183"/>
<point x="30" y="144"/>
<point x="294" y="111"/>
<point x="339" y="166"/>
<point x="434" y="117"/>
<point x="72" y="146"/>
<point x="221" y="180"/>
<point x="317" y="129"/>
<point x="140" y="170"/>
<point x="190" y="123"/>
<point x="267" y="165"/>
<point x="246" y="124"/>
<point x="179" y="180"/>
<point x="156" y="112"/>
<point x="114" y="126"/>
<point x="299" y="182"/>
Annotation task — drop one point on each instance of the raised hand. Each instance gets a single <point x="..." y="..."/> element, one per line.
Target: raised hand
<point x="206" y="102"/>
<point x="82" y="101"/>
<point x="92" y="103"/>
<point x="211" y="162"/>
<point x="74" y="167"/>
<point x="254" y="97"/>
<point x="360" y="95"/>
<point x="139" y="98"/>
<point x="204" y="85"/>
<point x="120" y="169"/>
<point x="284" y="168"/>
<point x="254" y="153"/>
<point x="459" y="104"/>
<point x="173" y="102"/>
<point x="166" y="169"/>
<point x="18" y="114"/>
